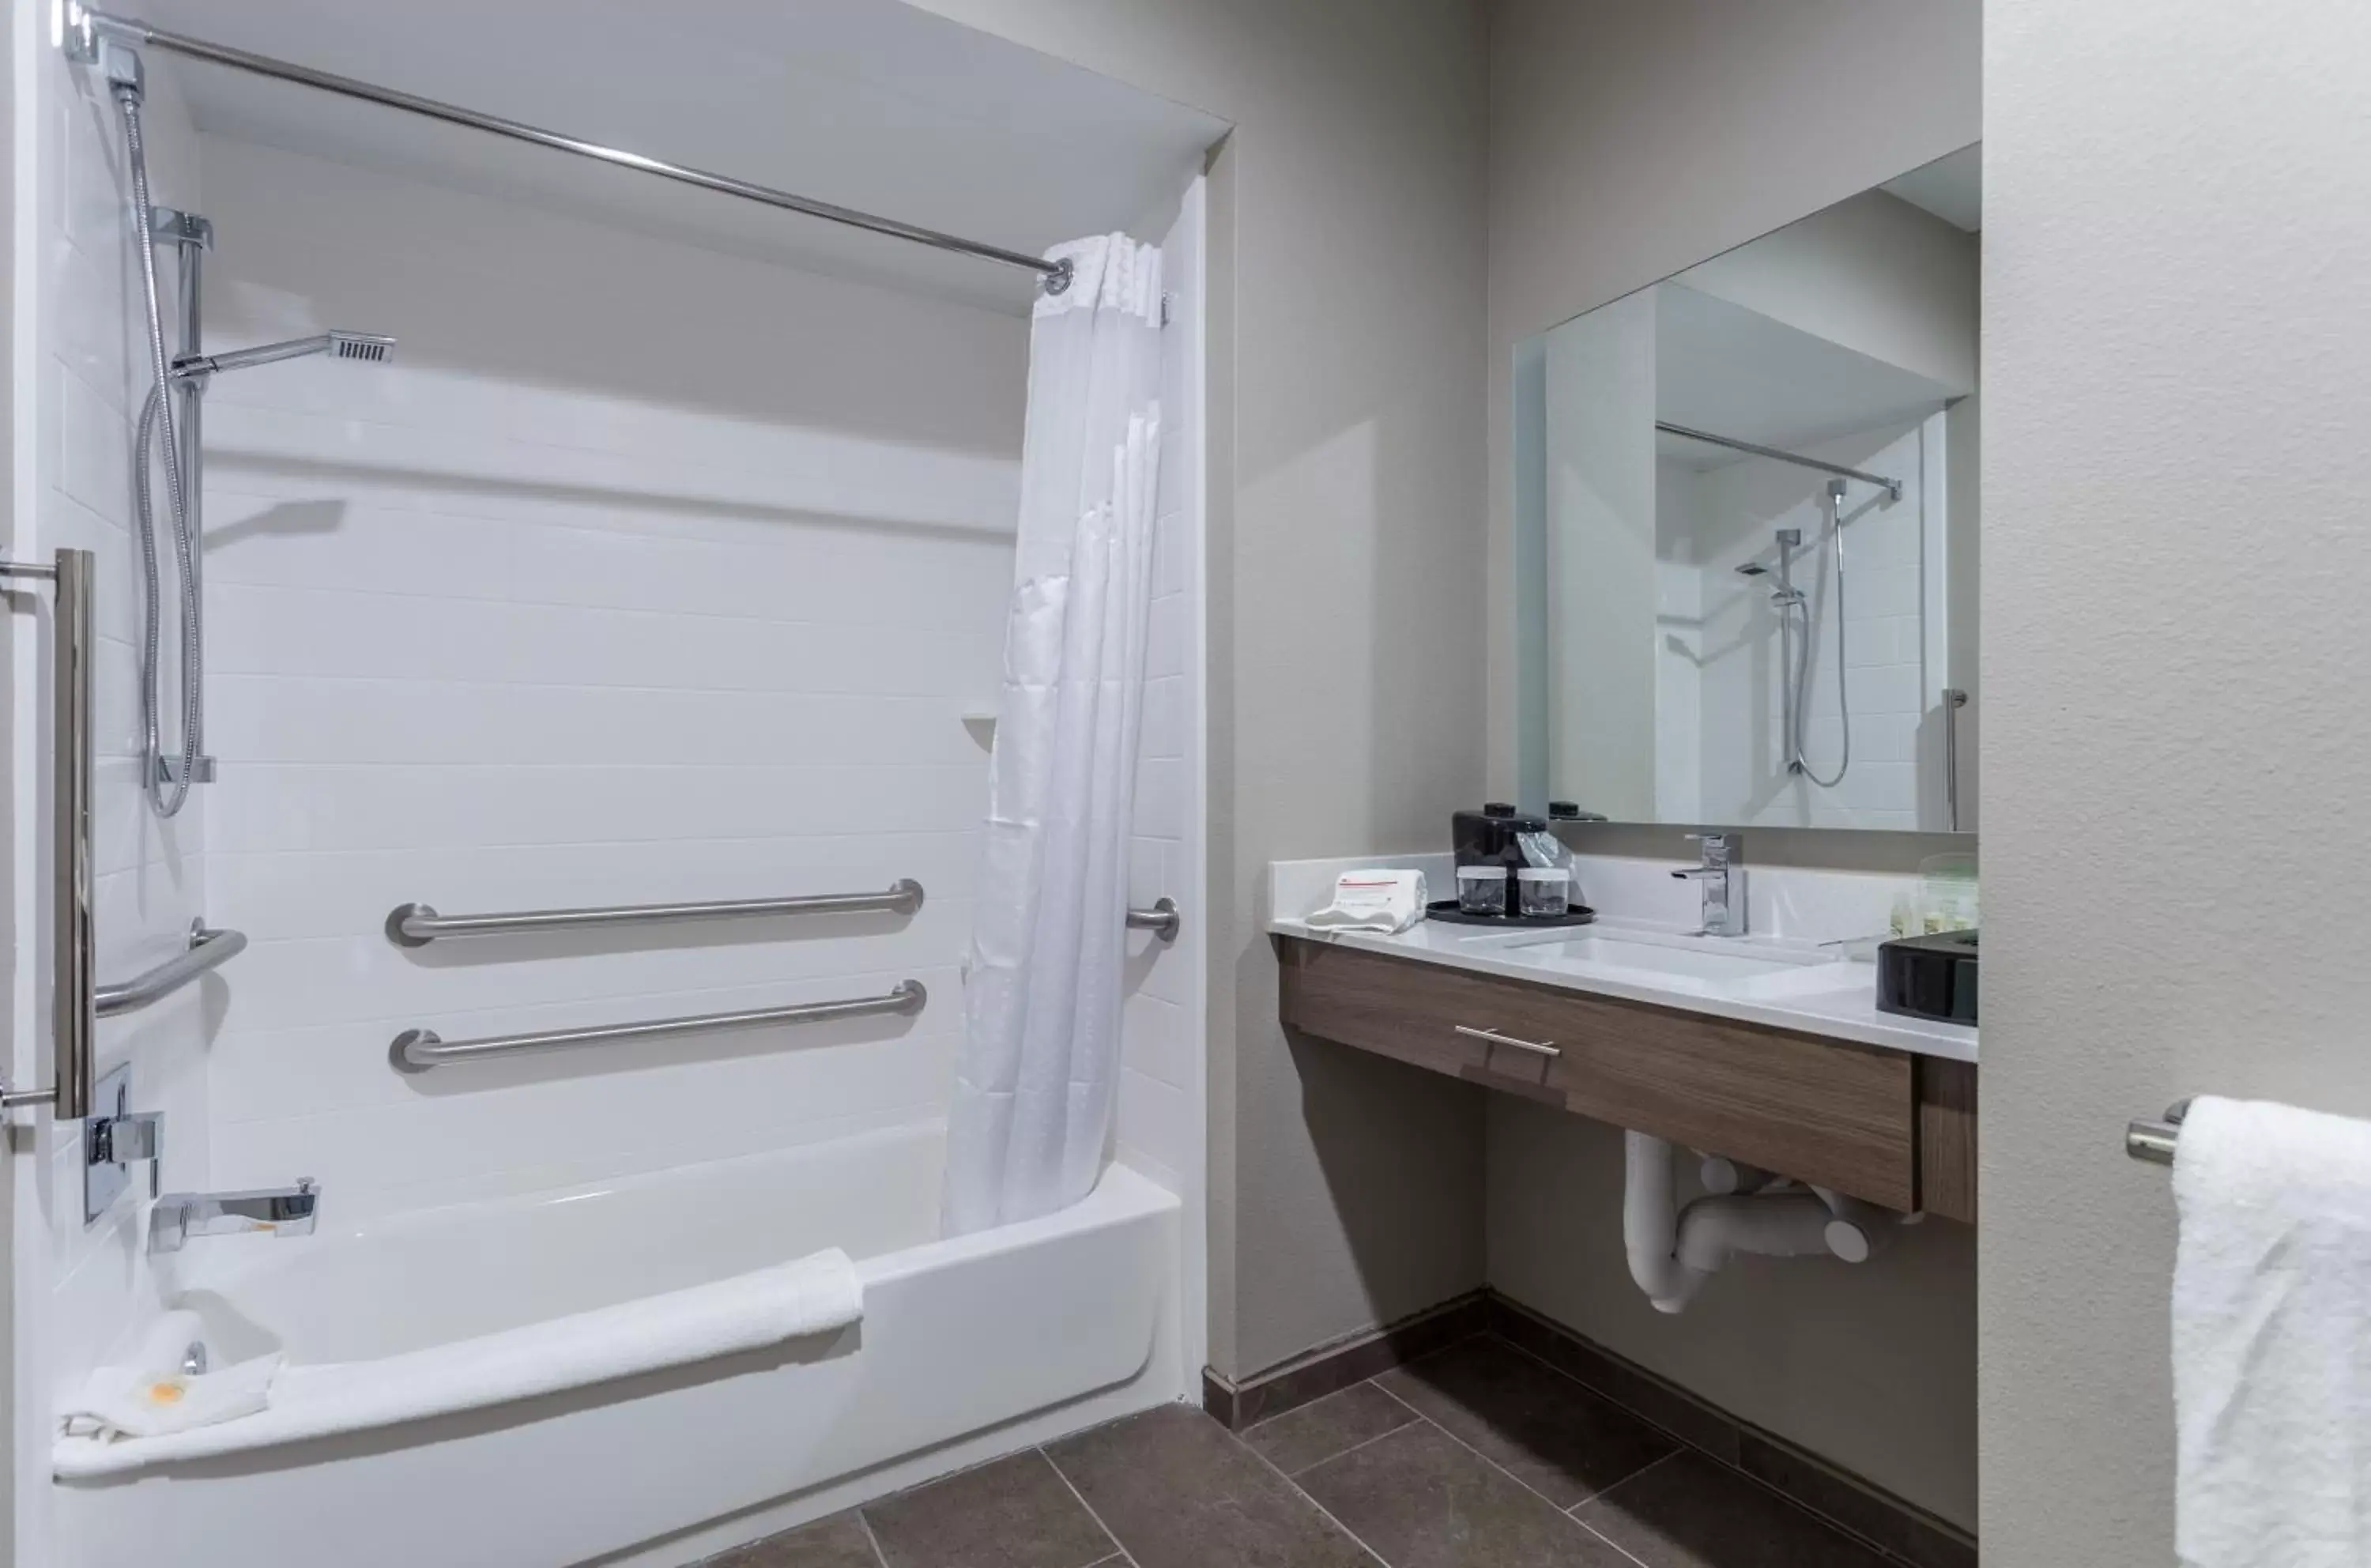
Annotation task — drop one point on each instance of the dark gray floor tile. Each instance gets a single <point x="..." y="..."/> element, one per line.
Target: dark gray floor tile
<point x="1180" y="1492"/>
<point x="1638" y="1392"/>
<point x="1420" y="1499"/>
<point x="838" y="1541"/>
<point x="1554" y="1435"/>
<point x="1915" y="1537"/>
<point x="1300" y="1438"/>
<point x="1691" y="1512"/>
<point x="1014" y="1512"/>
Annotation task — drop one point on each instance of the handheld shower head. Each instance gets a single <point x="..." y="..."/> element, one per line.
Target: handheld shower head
<point x="368" y="347"/>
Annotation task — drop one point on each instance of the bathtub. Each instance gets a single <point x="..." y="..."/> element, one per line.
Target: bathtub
<point x="959" y="1336"/>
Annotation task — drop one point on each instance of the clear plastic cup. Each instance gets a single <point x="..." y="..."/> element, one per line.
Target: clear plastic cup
<point x="1542" y="891"/>
<point x="1482" y="889"/>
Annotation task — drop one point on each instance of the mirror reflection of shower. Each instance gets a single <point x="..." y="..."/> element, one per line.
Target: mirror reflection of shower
<point x="169" y="431"/>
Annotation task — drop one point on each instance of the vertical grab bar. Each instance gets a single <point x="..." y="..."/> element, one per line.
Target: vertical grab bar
<point x="74" y="1001"/>
<point x="1953" y="700"/>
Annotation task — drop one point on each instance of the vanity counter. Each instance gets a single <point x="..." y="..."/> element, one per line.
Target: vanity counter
<point x="1845" y="1011"/>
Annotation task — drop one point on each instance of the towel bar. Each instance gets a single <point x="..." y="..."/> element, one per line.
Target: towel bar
<point x="416" y="1050"/>
<point x="2155" y="1141"/>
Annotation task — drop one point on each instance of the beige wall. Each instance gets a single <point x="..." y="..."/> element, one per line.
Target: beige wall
<point x="1347" y="650"/>
<point x="2176" y="346"/>
<point x="1629" y="142"/>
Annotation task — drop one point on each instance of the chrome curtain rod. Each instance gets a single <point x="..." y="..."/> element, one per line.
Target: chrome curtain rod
<point x="1892" y="487"/>
<point x="85" y="27"/>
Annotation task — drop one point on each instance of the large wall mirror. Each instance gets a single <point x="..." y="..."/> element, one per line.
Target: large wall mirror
<point x="1746" y="525"/>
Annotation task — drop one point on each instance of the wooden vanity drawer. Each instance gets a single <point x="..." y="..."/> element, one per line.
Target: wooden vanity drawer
<point x="1825" y="1111"/>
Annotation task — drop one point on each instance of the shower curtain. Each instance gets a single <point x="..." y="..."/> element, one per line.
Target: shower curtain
<point x="1040" y="1061"/>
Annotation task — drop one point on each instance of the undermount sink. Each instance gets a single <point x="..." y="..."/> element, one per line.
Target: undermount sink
<point x="1712" y="965"/>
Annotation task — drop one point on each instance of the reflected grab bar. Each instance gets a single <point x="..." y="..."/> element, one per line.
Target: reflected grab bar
<point x="417" y="924"/>
<point x="418" y="1050"/>
<point x="1162" y="919"/>
<point x="208" y="949"/>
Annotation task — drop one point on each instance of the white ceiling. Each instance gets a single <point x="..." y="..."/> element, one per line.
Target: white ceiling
<point x="869" y="104"/>
<point x="1952" y="188"/>
<point x="1735" y="371"/>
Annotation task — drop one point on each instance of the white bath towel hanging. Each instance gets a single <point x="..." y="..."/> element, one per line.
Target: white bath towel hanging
<point x="751" y="1311"/>
<point x="2271" y="1338"/>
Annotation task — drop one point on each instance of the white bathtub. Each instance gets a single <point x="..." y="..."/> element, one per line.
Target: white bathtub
<point x="958" y="1336"/>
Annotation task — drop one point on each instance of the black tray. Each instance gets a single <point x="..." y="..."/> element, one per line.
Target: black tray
<point x="1446" y="909"/>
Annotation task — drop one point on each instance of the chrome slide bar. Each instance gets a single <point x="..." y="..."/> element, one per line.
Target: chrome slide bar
<point x="73" y="982"/>
<point x="85" y="28"/>
<point x="417" y="924"/>
<point x="1953" y="700"/>
<point x="1892" y="487"/>
<point x="418" y="1050"/>
<point x="2155" y="1141"/>
<point x="1162" y="919"/>
<point x="208" y="949"/>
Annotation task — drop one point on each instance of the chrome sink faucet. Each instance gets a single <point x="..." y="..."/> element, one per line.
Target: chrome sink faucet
<point x="1723" y="875"/>
<point x="280" y="1211"/>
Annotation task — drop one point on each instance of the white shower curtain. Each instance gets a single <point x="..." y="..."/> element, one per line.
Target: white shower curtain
<point x="1040" y="1062"/>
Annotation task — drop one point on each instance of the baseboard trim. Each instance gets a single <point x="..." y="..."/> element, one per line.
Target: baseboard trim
<point x="1332" y="1367"/>
<point x="1899" y="1530"/>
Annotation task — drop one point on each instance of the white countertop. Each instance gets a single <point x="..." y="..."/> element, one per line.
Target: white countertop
<point x="1844" y="1010"/>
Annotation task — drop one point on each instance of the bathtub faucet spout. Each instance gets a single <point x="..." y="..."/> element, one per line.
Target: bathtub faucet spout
<point x="279" y="1211"/>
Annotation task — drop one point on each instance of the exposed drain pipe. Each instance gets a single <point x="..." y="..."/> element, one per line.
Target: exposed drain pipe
<point x="1673" y="1253"/>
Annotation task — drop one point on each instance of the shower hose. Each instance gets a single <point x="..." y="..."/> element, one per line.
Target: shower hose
<point x="1803" y="666"/>
<point x="168" y="790"/>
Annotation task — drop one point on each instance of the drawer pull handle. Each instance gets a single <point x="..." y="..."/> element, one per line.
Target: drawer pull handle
<point x="1545" y="1047"/>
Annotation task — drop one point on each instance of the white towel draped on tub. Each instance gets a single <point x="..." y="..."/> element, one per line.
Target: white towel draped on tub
<point x="749" y="1311"/>
<point x="2271" y="1338"/>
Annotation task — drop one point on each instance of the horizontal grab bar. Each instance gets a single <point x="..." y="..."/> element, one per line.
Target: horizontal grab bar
<point x="417" y="924"/>
<point x="1163" y="918"/>
<point x="416" y="1050"/>
<point x="208" y="949"/>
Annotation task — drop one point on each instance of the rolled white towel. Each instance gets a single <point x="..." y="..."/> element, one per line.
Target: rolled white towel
<point x="148" y="1395"/>
<point x="811" y="1296"/>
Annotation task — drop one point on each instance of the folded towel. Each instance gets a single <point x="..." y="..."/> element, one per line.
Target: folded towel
<point x="748" y="1312"/>
<point x="150" y="1396"/>
<point x="1372" y="901"/>
<point x="2271" y="1338"/>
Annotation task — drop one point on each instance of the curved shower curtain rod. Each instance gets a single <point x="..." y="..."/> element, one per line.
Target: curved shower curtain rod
<point x="85" y="28"/>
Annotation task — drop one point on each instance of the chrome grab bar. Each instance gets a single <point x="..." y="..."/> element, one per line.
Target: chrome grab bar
<point x="1162" y="919"/>
<point x="208" y="949"/>
<point x="1953" y="700"/>
<point x="74" y="986"/>
<point x="417" y="924"/>
<point x="2155" y="1141"/>
<point x="418" y="1050"/>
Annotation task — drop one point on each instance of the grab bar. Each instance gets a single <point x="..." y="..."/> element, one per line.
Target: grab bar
<point x="417" y="924"/>
<point x="208" y="949"/>
<point x="1953" y="700"/>
<point x="418" y="1050"/>
<point x="1163" y="918"/>
<point x="74" y="941"/>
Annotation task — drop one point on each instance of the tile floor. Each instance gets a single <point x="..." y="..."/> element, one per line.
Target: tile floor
<point x="1474" y="1455"/>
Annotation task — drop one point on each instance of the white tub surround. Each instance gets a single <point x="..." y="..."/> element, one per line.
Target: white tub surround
<point x="957" y="1336"/>
<point x="1640" y="948"/>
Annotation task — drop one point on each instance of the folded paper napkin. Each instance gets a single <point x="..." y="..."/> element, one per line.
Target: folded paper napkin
<point x="149" y="1396"/>
<point x="1380" y="900"/>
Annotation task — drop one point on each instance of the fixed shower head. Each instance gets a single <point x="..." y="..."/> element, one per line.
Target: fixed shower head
<point x="368" y="347"/>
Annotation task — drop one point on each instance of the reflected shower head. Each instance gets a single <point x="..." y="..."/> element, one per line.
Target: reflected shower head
<point x="368" y="347"/>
